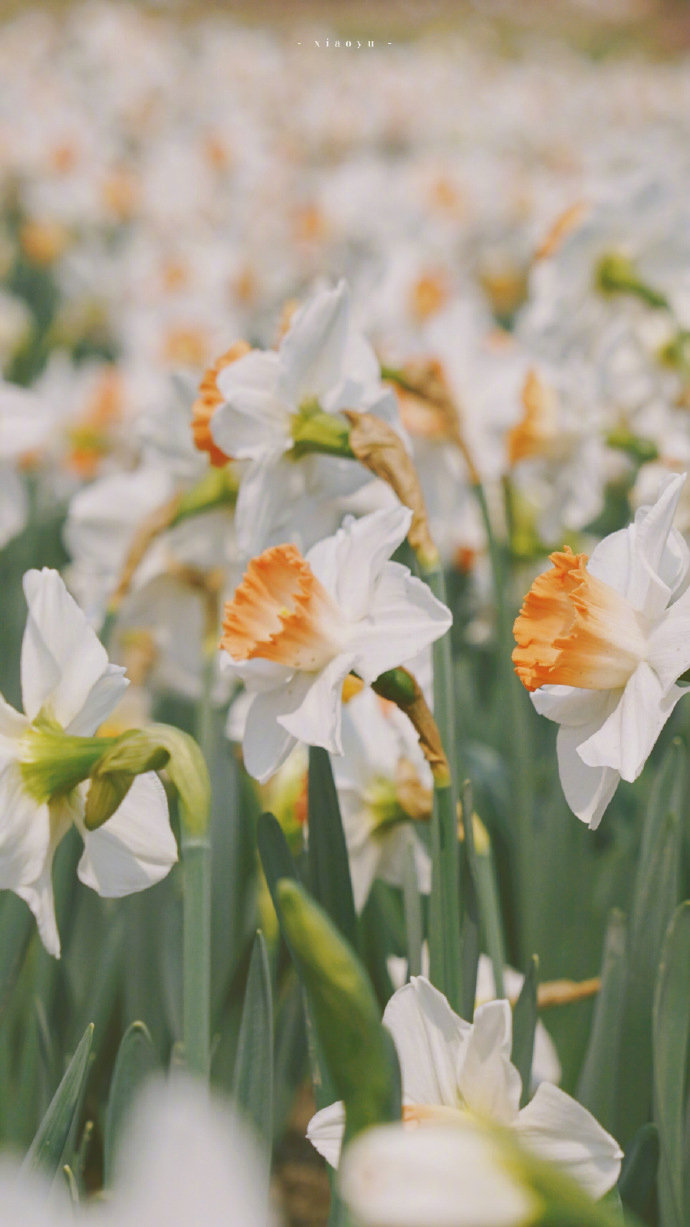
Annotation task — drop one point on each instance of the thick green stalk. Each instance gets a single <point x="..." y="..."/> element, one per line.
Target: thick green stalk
<point x="517" y="726"/>
<point x="444" y="904"/>
<point x="196" y="860"/>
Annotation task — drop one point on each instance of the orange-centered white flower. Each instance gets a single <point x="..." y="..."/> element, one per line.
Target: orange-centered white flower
<point x="298" y="626"/>
<point x="576" y="630"/>
<point x="602" y="644"/>
<point x="281" y="612"/>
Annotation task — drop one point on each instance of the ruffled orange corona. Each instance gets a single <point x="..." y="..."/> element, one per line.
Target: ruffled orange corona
<point x="281" y="612"/>
<point x="207" y="402"/>
<point x="575" y="630"/>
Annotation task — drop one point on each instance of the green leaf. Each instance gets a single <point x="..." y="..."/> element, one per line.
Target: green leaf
<point x="16" y="928"/>
<point x="52" y="1140"/>
<point x="524" y="1027"/>
<point x="471" y="921"/>
<point x="252" y="1086"/>
<point x="329" y="865"/>
<point x="597" y="1087"/>
<point x="278" y="864"/>
<point x="637" y="1180"/>
<point x="656" y="895"/>
<point x="136" y="1061"/>
<point x="414" y="919"/>
<point x="358" y="1050"/>
<point x="671" y="1033"/>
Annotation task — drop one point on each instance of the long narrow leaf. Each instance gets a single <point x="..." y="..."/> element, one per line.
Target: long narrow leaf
<point x="329" y="865"/>
<point x="136" y="1060"/>
<point x="671" y="1034"/>
<point x="253" y="1077"/>
<point x="50" y="1144"/>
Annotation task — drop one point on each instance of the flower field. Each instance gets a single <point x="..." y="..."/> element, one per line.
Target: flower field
<point x="345" y="610"/>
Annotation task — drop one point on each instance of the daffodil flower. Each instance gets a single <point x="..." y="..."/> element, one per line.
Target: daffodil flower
<point x="452" y="1069"/>
<point x="460" y="1177"/>
<point x="68" y="690"/>
<point x="298" y="625"/>
<point x="602" y="644"/>
<point x="322" y="366"/>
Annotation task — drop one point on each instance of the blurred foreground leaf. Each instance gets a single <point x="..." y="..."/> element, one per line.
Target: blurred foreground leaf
<point x="358" y="1050"/>
<point x="136" y="1060"/>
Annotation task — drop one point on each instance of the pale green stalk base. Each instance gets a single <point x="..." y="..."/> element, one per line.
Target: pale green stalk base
<point x="196" y="860"/>
<point x="444" y="904"/>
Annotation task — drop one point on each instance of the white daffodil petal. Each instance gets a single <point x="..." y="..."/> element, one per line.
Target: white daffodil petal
<point x="185" y="1159"/>
<point x="317" y="720"/>
<point x="261" y="502"/>
<point x="405" y="617"/>
<point x="587" y="790"/>
<point x="489" y="1084"/>
<point x="41" y="900"/>
<point x="13" y="723"/>
<point x="626" y="738"/>
<point x="24" y="831"/>
<point x="13" y="504"/>
<point x="669" y="643"/>
<point x="571" y="705"/>
<point x="350" y="563"/>
<point x="452" y="1177"/>
<point x="559" y="1129"/>
<point x="267" y="742"/>
<point x="63" y="664"/>
<point x="250" y="425"/>
<point x="311" y="353"/>
<point x="135" y="848"/>
<point x="430" y="1039"/>
<point x="633" y="560"/>
<point x="325" y="1132"/>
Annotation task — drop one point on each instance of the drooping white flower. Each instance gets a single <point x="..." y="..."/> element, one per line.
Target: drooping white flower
<point x="323" y="365"/>
<point x="298" y="625"/>
<point x="68" y="689"/>
<point x="602" y="645"/>
<point x="391" y="1176"/>
<point x="546" y="1066"/>
<point x="451" y="1068"/>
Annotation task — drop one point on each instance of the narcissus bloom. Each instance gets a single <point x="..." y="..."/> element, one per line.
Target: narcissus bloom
<point x="298" y="625"/>
<point x="451" y="1069"/>
<point x="602" y="643"/>
<point x="68" y="689"/>
<point x="459" y="1177"/>
<point x="323" y="365"/>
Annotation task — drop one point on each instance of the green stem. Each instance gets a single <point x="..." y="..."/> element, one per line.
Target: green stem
<point x="444" y="904"/>
<point x="517" y="726"/>
<point x="196" y="859"/>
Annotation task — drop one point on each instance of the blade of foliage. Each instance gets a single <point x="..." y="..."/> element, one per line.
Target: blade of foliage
<point x="637" y="1183"/>
<point x="329" y="865"/>
<point x="671" y="1034"/>
<point x="16" y="928"/>
<point x="656" y="895"/>
<point x="136" y="1060"/>
<point x="253" y="1078"/>
<point x="51" y="1142"/>
<point x="524" y="1027"/>
<point x="358" y="1050"/>
<point x="598" y="1082"/>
